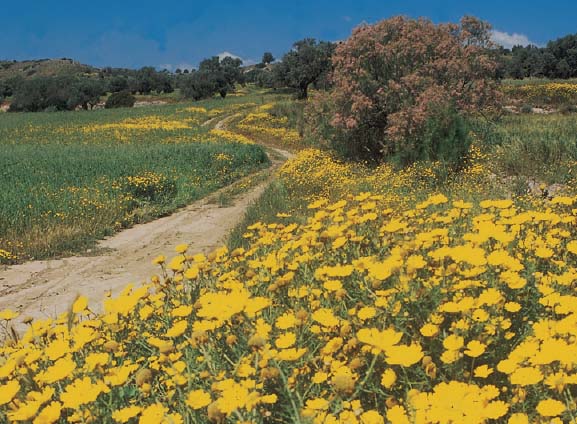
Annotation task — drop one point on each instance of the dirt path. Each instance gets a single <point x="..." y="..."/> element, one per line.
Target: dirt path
<point x="43" y="289"/>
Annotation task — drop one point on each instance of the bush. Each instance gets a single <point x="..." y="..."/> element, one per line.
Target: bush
<point x="198" y="85"/>
<point x="567" y="108"/>
<point x="445" y="138"/>
<point x="120" y="99"/>
<point x="526" y="108"/>
<point x="396" y="83"/>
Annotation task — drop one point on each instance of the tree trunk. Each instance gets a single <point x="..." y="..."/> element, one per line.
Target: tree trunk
<point x="303" y="91"/>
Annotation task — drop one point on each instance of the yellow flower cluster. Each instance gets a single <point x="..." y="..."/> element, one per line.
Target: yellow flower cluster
<point x="263" y="123"/>
<point x="543" y="93"/>
<point x="6" y="256"/>
<point x="448" y="311"/>
<point x="146" y="123"/>
<point x="148" y="185"/>
<point x="229" y="136"/>
<point x="315" y="174"/>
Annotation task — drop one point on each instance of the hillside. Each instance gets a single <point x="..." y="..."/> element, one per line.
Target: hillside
<point x="44" y="67"/>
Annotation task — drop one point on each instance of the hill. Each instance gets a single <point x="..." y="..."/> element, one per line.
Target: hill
<point x="45" y="68"/>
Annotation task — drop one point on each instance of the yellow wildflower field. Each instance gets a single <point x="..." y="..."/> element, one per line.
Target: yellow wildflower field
<point x="368" y="312"/>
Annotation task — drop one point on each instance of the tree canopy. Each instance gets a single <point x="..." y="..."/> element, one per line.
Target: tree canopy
<point x="305" y="64"/>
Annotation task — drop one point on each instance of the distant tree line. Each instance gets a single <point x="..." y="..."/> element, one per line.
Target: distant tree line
<point x="557" y="60"/>
<point x="73" y="92"/>
<point x="308" y="63"/>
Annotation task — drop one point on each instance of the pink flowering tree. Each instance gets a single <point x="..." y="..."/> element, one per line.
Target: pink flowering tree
<point x="403" y="87"/>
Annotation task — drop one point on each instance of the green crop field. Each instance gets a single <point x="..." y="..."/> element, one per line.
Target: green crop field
<point x="69" y="178"/>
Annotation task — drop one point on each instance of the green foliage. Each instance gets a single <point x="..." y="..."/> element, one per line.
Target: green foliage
<point x="305" y="64"/>
<point x="198" y="85"/>
<point x="267" y="58"/>
<point x="120" y="99"/>
<point x="213" y="76"/>
<point x="445" y="139"/>
<point x="557" y="60"/>
<point x="56" y="93"/>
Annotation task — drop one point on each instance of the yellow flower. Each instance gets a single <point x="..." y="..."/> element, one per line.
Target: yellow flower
<point x="397" y="415"/>
<point x="518" y="418"/>
<point x="286" y="340"/>
<point x="512" y="307"/>
<point x="291" y="354"/>
<point x="320" y="377"/>
<point x="388" y="378"/>
<point x="371" y="417"/>
<point x="429" y="330"/>
<point x="550" y="408"/>
<point x="544" y="252"/>
<point x="61" y="369"/>
<point x="286" y="321"/>
<point x="177" y="329"/>
<point x="8" y="391"/>
<point x="198" y="399"/>
<point x="49" y="414"/>
<point x="192" y="272"/>
<point x="125" y="414"/>
<point x="475" y="349"/>
<point x="404" y="355"/>
<point x="25" y="411"/>
<point x="325" y="317"/>
<point x="526" y="376"/>
<point x="483" y="371"/>
<point x="453" y="342"/>
<point x="181" y="248"/>
<point x="81" y="392"/>
<point x="153" y="414"/>
<point x="182" y="311"/>
<point x="572" y="247"/>
<point x="381" y="340"/>
<point x="80" y="304"/>
<point x="366" y="312"/>
<point x="318" y="404"/>
<point x="8" y="314"/>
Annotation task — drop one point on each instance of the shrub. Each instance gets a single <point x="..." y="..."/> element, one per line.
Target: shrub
<point x="567" y="108"/>
<point x="150" y="186"/>
<point x="391" y="80"/>
<point x="120" y="99"/>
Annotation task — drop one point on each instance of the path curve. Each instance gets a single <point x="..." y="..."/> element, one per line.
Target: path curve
<point x="42" y="289"/>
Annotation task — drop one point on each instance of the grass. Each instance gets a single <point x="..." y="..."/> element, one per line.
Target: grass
<point x="542" y="147"/>
<point x="72" y="177"/>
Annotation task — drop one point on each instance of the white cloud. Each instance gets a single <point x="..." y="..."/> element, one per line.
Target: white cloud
<point x="245" y="62"/>
<point x="509" y="40"/>
<point x="228" y="54"/>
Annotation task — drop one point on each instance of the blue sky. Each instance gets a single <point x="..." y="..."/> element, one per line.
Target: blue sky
<point x="172" y="34"/>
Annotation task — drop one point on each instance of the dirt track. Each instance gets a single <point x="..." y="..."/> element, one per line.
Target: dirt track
<point x="43" y="289"/>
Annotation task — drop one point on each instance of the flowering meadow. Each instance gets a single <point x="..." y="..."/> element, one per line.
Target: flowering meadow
<point x="71" y="178"/>
<point x="379" y="295"/>
<point x="368" y="312"/>
<point x="542" y="93"/>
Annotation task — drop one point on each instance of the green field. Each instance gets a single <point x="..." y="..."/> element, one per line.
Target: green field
<point x="67" y="179"/>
